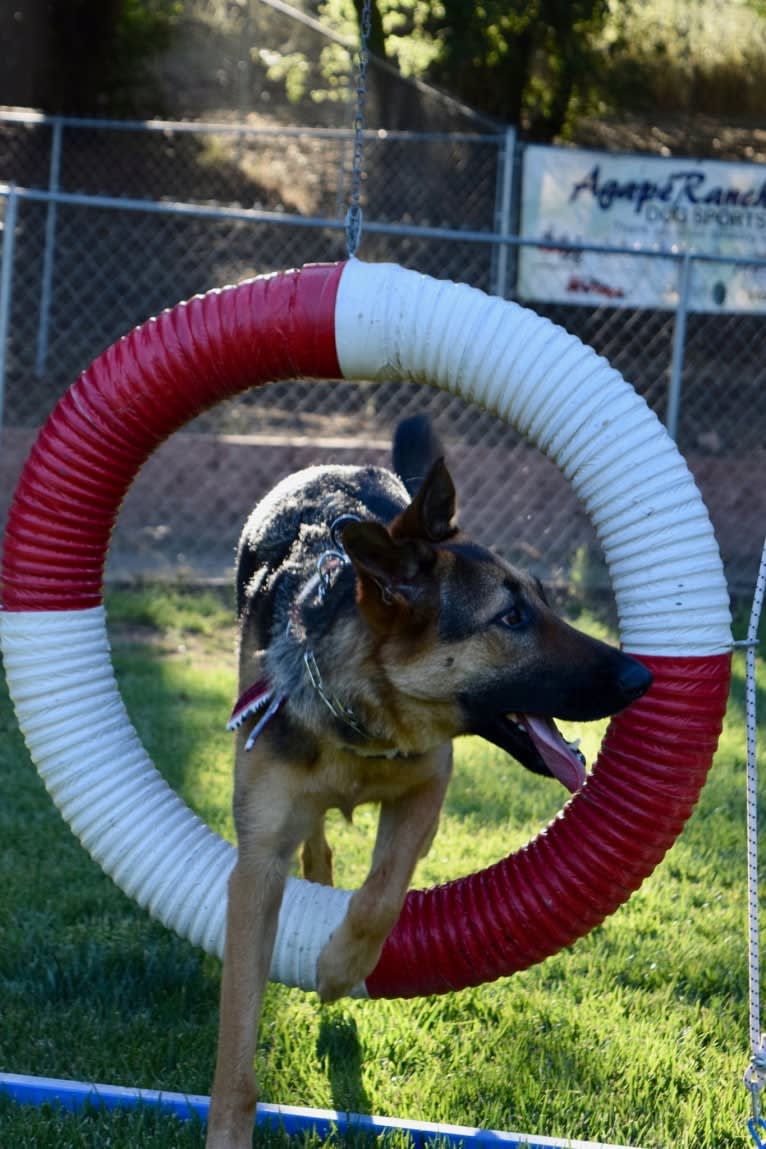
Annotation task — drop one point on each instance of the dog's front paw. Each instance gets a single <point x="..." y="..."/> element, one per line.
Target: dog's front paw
<point x="343" y="964"/>
<point x="224" y="1140"/>
<point x="331" y="989"/>
<point x="230" y="1120"/>
<point x="333" y="981"/>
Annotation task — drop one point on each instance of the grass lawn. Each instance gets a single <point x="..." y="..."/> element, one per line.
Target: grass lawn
<point x="638" y="1035"/>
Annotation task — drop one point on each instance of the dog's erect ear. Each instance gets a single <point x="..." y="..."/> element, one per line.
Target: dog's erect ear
<point x="431" y="514"/>
<point x="395" y="566"/>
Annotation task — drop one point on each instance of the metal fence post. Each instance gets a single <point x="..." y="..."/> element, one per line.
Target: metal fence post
<point x="503" y="222"/>
<point x="49" y="253"/>
<point x="6" y="285"/>
<point x="679" y="345"/>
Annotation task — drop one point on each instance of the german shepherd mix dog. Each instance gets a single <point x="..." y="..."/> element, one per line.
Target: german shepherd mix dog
<point x="373" y="632"/>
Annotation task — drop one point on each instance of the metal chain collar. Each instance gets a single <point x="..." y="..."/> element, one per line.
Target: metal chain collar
<point x="328" y="565"/>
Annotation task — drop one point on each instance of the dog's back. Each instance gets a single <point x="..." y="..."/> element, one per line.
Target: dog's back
<point x="292" y="525"/>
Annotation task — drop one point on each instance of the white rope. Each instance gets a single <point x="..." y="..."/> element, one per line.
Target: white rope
<point x="755" y="1075"/>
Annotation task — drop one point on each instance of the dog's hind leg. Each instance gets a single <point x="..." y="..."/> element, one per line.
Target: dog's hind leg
<point x="405" y="831"/>
<point x="316" y="857"/>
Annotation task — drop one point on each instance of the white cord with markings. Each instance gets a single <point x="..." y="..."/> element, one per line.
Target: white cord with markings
<point x="755" y="1074"/>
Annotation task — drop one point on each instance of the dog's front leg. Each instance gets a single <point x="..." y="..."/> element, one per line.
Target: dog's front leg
<point x="267" y="840"/>
<point x="405" y="831"/>
<point x="252" y="915"/>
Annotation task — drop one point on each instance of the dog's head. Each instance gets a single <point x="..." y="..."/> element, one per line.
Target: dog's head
<point x="469" y="643"/>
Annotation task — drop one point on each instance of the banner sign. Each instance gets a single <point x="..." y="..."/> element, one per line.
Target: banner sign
<point x="645" y="203"/>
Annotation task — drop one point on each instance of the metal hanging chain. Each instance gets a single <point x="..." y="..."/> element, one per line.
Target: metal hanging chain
<point x="354" y="213"/>
<point x="755" y="1075"/>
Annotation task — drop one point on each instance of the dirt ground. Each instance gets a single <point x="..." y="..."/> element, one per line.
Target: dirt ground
<point x="185" y="509"/>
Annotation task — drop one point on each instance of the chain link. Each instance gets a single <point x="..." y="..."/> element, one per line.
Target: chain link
<point x="354" y="213"/>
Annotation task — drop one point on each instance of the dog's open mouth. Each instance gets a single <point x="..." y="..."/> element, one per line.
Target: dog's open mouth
<point x="538" y="744"/>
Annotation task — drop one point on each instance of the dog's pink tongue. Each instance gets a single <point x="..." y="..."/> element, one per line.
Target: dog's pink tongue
<point x="560" y="758"/>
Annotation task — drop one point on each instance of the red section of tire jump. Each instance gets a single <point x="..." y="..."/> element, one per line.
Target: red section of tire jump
<point x="130" y="400"/>
<point x="652" y="766"/>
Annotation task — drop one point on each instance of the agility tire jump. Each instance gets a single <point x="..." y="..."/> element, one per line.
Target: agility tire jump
<point x="361" y="321"/>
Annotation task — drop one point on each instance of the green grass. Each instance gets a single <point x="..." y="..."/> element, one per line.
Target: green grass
<point x="636" y="1035"/>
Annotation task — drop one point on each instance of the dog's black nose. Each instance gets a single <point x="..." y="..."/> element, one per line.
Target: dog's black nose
<point x="634" y="679"/>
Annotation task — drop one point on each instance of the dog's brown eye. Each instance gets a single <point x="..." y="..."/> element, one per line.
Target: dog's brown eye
<point x="512" y="618"/>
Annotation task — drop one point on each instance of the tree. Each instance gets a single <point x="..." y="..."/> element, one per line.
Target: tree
<point x="81" y="33"/>
<point x="89" y="55"/>
<point x="526" y="62"/>
<point x="67" y="42"/>
<point x="377" y="41"/>
<point x="399" y="45"/>
<point x="523" y="62"/>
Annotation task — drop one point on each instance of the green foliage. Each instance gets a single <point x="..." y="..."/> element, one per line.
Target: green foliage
<point x="400" y="34"/>
<point x="522" y="62"/>
<point x="698" y="58"/>
<point x="172" y="609"/>
<point x="143" y="31"/>
<point x="99" y="54"/>
<point x="145" y="26"/>
<point x="409" y="34"/>
<point x="543" y="64"/>
<point x="289" y="68"/>
<point x="635" y="1035"/>
<point x="405" y="30"/>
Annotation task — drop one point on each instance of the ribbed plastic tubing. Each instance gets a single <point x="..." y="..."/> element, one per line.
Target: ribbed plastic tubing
<point x="369" y="321"/>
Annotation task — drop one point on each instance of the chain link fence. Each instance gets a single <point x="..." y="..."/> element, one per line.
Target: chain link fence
<point x="110" y="231"/>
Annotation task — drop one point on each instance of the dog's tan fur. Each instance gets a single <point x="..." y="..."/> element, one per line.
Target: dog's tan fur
<point x="425" y="633"/>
